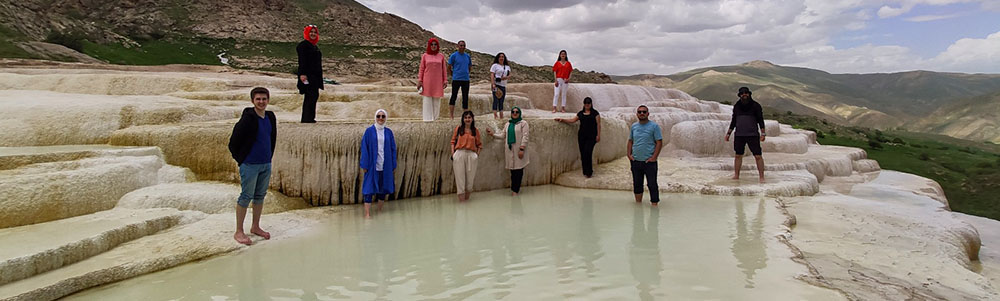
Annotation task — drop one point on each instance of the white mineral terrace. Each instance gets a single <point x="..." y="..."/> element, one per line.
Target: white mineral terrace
<point x="117" y="184"/>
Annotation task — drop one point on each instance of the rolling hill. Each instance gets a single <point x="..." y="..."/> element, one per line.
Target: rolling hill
<point x="955" y="104"/>
<point x="255" y="34"/>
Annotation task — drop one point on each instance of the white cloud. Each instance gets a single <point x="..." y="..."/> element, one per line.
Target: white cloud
<point x="927" y="18"/>
<point x="667" y="36"/>
<point x="972" y="55"/>
<point x="889" y="12"/>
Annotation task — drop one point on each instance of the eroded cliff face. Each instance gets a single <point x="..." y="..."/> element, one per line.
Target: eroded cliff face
<point x="319" y="162"/>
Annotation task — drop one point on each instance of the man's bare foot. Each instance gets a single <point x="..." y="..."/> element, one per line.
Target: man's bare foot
<point x="260" y="232"/>
<point x="736" y="177"/>
<point x="553" y="109"/>
<point x="563" y="110"/>
<point x="379" y="208"/>
<point x="513" y="194"/>
<point x="656" y="204"/>
<point x="242" y="238"/>
<point x="761" y="179"/>
<point x="467" y="195"/>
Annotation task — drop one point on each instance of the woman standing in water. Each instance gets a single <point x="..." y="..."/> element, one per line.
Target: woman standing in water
<point x="499" y="72"/>
<point x="515" y="155"/>
<point x="432" y="79"/>
<point x="465" y="146"/>
<point x="589" y="134"/>
<point x="378" y="161"/>
<point x="562" y="70"/>
<point x="310" y="72"/>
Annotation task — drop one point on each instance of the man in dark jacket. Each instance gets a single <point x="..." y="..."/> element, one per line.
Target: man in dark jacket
<point x="310" y="72"/>
<point x="747" y="118"/>
<point x="252" y="146"/>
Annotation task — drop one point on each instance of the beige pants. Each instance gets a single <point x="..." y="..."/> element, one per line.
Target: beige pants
<point x="432" y="108"/>
<point x="465" y="169"/>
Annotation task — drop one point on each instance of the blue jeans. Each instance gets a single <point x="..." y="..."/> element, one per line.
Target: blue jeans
<point x="498" y="102"/>
<point x="254" y="179"/>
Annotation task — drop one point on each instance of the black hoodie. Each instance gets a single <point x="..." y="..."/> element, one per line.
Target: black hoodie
<point x="245" y="132"/>
<point x="745" y="115"/>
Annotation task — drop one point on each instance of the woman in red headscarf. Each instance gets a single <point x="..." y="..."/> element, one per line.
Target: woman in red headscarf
<point x="432" y="79"/>
<point x="310" y="72"/>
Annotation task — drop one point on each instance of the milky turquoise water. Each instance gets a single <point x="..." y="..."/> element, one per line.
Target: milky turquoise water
<point x="550" y="243"/>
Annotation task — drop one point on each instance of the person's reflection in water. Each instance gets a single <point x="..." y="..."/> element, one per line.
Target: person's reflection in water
<point x="644" y="252"/>
<point x="589" y="247"/>
<point x="748" y="245"/>
<point x="251" y="284"/>
<point x="378" y="255"/>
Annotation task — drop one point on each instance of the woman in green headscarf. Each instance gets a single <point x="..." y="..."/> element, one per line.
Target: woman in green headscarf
<point x="515" y="147"/>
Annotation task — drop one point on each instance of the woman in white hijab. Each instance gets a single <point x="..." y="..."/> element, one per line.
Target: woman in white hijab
<point x="378" y="161"/>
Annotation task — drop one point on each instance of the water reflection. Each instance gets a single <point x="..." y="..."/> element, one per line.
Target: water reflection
<point x="644" y="251"/>
<point x="589" y="238"/>
<point x="748" y="244"/>
<point x="550" y="243"/>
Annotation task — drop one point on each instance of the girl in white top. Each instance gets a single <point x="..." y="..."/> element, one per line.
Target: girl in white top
<point x="499" y="73"/>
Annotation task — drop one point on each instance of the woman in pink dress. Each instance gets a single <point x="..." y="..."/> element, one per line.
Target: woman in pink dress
<point x="432" y="79"/>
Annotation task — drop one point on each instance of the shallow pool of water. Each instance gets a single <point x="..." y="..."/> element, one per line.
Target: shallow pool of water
<point x="549" y="243"/>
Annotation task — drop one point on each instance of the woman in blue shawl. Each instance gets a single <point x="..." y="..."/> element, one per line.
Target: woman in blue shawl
<point x="378" y="161"/>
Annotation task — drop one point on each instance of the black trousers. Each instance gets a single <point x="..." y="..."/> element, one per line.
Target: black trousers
<point x="587" y="155"/>
<point x="464" y="84"/>
<point x="309" y="105"/>
<point x="515" y="179"/>
<point x="647" y="169"/>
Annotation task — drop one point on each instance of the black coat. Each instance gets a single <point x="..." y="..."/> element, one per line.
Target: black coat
<point x="245" y="132"/>
<point x="310" y="65"/>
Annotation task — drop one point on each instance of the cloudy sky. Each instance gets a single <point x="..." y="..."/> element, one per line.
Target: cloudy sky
<point x="668" y="36"/>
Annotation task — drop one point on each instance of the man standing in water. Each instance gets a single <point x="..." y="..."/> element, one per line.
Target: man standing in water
<point x="747" y="118"/>
<point x="461" y="66"/>
<point x="252" y="146"/>
<point x="644" y="143"/>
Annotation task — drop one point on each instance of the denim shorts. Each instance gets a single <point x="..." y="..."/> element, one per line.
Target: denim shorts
<point x="254" y="179"/>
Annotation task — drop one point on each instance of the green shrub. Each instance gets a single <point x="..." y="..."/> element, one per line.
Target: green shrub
<point x="874" y="144"/>
<point x="953" y="167"/>
<point x="898" y="141"/>
<point x="984" y="165"/>
<point x="924" y="156"/>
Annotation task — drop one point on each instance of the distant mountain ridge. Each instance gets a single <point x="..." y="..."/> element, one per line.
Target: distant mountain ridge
<point x="953" y="104"/>
<point x="256" y="34"/>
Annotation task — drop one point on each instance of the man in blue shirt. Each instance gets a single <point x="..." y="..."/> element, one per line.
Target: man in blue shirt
<point x="644" y="143"/>
<point x="461" y="66"/>
<point x="252" y="146"/>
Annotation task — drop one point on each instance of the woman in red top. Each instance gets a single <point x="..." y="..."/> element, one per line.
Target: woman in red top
<point x="562" y="70"/>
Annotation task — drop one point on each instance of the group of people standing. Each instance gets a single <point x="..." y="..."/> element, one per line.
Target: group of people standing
<point x="254" y="136"/>
<point x="433" y="73"/>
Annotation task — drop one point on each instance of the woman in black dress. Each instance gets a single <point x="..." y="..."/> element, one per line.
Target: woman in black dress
<point x="589" y="135"/>
<point x="310" y="72"/>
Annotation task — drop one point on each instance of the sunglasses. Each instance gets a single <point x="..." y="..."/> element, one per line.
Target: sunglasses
<point x="515" y="112"/>
<point x="642" y="112"/>
<point x="380" y="116"/>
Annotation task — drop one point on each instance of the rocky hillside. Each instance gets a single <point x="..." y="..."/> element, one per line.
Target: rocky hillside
<point x="952" y="104"/>
<point x="357" y="43"/>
